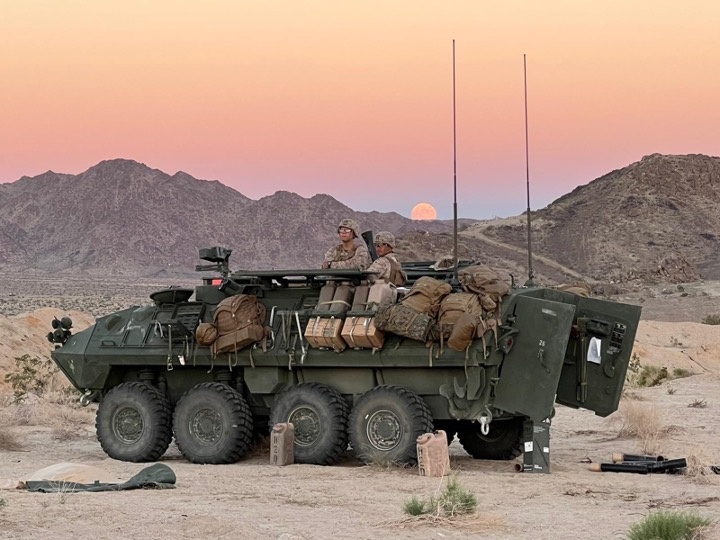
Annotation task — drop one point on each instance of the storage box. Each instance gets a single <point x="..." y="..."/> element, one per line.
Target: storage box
<point x="360" y="333"/>
<point x="325" y="332"/>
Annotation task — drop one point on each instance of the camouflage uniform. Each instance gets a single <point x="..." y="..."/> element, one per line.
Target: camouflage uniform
<point x="384" y="267"/>
<point x="388" y="268"/>
<point x="340" y="258"/>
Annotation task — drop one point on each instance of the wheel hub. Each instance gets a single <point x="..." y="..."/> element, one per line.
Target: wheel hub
<point x="206" y="426"/>
<point x="307" y="425"/>
<point x="384" y="430"/>
<point x="128" y="425"/>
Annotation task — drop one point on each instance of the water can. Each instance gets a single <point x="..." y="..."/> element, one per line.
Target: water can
<point x="282" y="441"/>
<point x="433" y="456"/>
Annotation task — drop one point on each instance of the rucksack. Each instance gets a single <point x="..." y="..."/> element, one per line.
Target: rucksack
<point x="452" y="307"/>
<point x="426" y="294"/>
<point x="240" y="321"/>
<point x="486" y="283"/>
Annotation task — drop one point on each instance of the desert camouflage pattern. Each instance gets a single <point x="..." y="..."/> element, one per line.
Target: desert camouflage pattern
<point x="352" y="225"/>
<point x="385" y="237"/>
<point x="343" y="259"/>
<point x="388" y="269"/>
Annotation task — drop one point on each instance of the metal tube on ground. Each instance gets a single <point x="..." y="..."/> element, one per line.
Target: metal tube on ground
<point x="620" y="467"/>
<point x="620" y="458"/>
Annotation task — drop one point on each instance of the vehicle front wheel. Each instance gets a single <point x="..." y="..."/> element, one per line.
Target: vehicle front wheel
<point x="133" y="422"/>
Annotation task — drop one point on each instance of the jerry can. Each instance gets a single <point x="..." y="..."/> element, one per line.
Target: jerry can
<point x="433" y="455"/>
<point x="282" y="441"/>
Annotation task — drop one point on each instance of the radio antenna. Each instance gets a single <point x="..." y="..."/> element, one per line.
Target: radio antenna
<point x="531" y="274"/>
<point x="455" y="217"/>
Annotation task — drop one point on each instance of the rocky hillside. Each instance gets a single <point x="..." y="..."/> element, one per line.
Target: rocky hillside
<point x="654" y="220"/>
<point x="121" y="217"/>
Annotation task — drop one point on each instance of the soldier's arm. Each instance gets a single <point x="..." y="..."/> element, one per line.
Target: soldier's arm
<point x="381" y="267"/>
<point x="328" y="258"/>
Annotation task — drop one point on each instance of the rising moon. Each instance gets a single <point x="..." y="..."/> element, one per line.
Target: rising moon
<point x="423" y="211"/>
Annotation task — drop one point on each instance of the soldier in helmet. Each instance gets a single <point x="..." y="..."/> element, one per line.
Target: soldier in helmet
<point x="347" y="254"/>
<point x="386" y="265"/>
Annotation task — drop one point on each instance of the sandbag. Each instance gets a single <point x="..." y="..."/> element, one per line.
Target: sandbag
<point x="426" y="294"/>
<point x="403" y="321"/>
<point x="576" y="287"/>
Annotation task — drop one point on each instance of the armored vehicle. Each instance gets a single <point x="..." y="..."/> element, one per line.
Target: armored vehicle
<point x="156" y="377"/>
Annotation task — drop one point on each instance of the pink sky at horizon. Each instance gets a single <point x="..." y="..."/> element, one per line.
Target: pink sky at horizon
<point x="355" y="100"/>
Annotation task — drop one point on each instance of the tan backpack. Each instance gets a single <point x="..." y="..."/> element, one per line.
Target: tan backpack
<point x="240" y="321"/>
<point x="452" y="307"/>
<point x="426" y="294"/>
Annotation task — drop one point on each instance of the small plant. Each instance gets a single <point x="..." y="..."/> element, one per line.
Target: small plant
<point x="711" y="319"/>
<point x="680" y="373"/>
<point x="698" y="404"/>
<point x="453" y="501"/>
<point x="669" y="526"/>
<point x="675" y="342"/>
<point x="671" y="390"/>
<point x="2" y="504"/>
<point x="31" y="375"/>
<point x="414" y="507"/>
<point x="9" y="441"/>
<point x="651" y="376"/>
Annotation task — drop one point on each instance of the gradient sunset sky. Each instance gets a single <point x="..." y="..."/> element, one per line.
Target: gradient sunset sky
<point x="354" y="99"/>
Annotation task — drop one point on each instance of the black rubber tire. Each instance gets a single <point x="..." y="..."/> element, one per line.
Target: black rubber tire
<point x="504" y="440"/>
<point x="212" y="424"/>
<point x="319" y="415"/>
<point x="450" y="428"/>
<point x="385" y="424"/>
<point x="133" y="422"/>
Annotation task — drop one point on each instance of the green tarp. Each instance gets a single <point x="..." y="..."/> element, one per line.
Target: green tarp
<point x="157" y="476"/>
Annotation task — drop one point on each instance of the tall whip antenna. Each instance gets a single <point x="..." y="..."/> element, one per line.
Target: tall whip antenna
<point x="531" y="273"/>
<point x="455" y="217"/>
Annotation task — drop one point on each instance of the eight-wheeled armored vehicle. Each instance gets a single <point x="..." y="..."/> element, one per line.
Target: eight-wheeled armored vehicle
<point x="154" y="381"/>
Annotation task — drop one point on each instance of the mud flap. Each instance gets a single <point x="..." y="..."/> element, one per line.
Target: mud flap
<point x="531" y="370"/>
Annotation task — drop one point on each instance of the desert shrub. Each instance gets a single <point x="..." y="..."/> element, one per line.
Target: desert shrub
<point x="2" y="504"/>
<point x="642" y="422"/>
<point x="711" y="319"/>
<point x="8" y="440"/>
<point x="679" y="373"/>
<point x="30" y="375"/>
<point x="651" y="375"/>
<point x="697" y="404"/>
<point x="669" y="526"/>
<point x="453" y="501"/>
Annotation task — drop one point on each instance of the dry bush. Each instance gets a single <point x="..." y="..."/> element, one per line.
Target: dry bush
<point x="699" y="467"/>
<point x="9" y="441"/>
<point x="641" y="421"/>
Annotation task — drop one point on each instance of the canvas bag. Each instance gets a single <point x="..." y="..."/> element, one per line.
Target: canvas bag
<point x="452" y="307"/>
<point x="240" y="321"/>
<point x="403" y="321"/>
<point x="426" y="294"/>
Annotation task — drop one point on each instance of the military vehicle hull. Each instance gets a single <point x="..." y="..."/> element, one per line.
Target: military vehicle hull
<point x="154" y="382"/>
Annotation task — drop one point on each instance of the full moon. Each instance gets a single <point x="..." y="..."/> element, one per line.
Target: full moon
<point x="423" y="211"/>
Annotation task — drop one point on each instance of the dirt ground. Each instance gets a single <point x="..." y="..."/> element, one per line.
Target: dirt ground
<point x="252" y="499"/>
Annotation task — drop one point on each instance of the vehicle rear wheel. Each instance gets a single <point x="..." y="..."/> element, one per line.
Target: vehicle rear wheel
<point x="212" y="424"/>
<point x="385" y="424"/>
<point x="319" y="415"/>
<point x="450" y="428"/>
<point x="503" y="441"/>
<point x="133" y="422"/>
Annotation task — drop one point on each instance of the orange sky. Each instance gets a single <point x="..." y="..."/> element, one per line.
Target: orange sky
<point x="354" y="99"/>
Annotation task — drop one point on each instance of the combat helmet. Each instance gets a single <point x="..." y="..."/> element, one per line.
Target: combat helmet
<point x="350" y="224"/>
<point x="384" y="237"/>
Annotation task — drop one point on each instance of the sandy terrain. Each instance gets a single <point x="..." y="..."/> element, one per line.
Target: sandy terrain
<point x="252" y="499"/>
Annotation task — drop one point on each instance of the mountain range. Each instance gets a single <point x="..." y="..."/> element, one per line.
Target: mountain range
<point x="654" y="220"/>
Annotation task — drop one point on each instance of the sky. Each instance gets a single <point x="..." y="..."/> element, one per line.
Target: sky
<point x="355" y="99"/>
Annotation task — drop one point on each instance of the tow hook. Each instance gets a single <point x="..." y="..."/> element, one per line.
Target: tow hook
<point x="87" y="397"/>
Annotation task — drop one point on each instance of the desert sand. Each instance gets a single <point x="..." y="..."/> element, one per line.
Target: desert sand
<point x="252" y="499"/>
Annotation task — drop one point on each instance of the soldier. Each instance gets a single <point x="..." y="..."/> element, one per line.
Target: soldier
<point x="386" y="265"/>
<point x="347" y="254"/>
